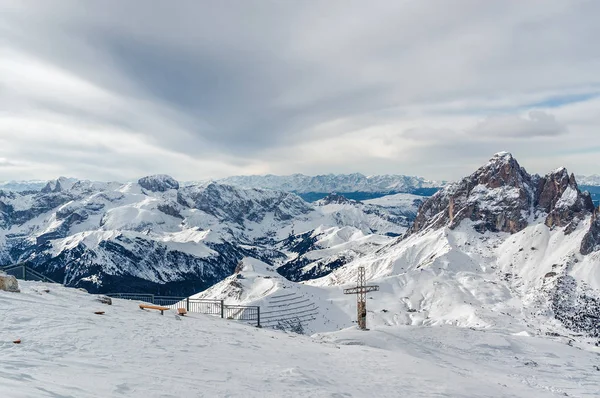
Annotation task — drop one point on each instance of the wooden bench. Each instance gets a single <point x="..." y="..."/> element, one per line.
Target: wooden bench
<point x="181" y="311"/>
<point x="154" y="307"/>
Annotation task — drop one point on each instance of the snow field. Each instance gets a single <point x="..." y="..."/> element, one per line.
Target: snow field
<point x="68" y="351"/>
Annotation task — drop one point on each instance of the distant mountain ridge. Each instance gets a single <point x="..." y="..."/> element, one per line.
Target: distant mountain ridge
<point x="340" y="183"/>
<point x="591" y="180"/>
<point x="21" y="186"/>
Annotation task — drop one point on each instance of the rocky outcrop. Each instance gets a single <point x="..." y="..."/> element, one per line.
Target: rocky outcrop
<point x="334" y="198"/>
<point x="498" y="197"/>
<point x="559" y="196"/>
<point x="9" y="283"/>
<point x="158" y="183"/>
<point x="502" y="197"/>
<point x="591" y="240"/>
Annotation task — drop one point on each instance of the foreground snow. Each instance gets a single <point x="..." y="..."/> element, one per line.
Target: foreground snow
<point x="68" y="351"/>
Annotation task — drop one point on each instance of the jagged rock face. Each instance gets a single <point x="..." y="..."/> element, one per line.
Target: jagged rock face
<point x="501" y="197"/>
<point x="591" y="240"/>
<point x="158" y="183"/>
<point x="497" y="197"/>
<point x="559" y="196"/>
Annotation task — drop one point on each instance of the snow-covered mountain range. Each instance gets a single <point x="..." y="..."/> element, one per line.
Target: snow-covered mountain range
<point x="156" y="236"/>
<point x="500" y="246"/>
<point x="355" y="186"/>
<point x="20" y="186"/>
<point x="499" y="249"/>
<point x="591" y="180"/>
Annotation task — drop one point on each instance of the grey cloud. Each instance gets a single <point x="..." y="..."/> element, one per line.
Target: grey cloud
<point x="232" y="80"/>
<point x="536" y="124"/>
<point x="6" y="163"/>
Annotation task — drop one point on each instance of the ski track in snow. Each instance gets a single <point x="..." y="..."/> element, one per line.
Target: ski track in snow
<point x="68" y="351"/>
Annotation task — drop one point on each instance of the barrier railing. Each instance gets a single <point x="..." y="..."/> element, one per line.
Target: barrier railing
<point x="201" y="306"/>
<point x="23" y="272"/>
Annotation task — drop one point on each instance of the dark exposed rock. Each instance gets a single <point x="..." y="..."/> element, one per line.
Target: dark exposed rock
<point x="335" y="198"/>
<point x="171" y="210"/>
<point x="497" y="197"/>
<point x="501" y="197"/>
<point x="104" y="300"/>
<point x="158" y="183"/>
<point x="559" y="196"/>
<point x="591" y="240"/>
<point x="576" y="308"/>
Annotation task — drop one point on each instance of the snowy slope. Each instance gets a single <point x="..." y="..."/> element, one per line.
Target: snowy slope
<point x="68" y="351"/>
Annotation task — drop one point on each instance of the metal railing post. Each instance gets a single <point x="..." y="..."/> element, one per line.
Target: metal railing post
<point x="187" y="304"/>
<point x="258" y="316"/>
<point x="222" y="309"/>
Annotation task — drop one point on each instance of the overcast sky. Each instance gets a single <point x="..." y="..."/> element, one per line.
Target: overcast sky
<point x="114" y="90"/>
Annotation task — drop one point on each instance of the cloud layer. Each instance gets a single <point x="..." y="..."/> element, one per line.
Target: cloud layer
<point x="116" y="90"/>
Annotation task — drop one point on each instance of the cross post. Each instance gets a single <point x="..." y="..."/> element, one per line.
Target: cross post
<point x="361" y="291"/>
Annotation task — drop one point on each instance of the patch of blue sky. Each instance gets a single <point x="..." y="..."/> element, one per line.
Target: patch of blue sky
<point x="561" y="100"/>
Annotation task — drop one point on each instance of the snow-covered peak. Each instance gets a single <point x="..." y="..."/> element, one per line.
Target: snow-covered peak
<point x="504" y="155"/>
<point x="59" y="185"/>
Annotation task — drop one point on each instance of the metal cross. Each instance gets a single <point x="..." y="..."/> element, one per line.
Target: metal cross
<point x="361" y="291"/>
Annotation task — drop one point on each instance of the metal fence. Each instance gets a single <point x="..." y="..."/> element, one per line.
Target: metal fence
<point x="202" y="306"/>
<point x="25" y="273"/>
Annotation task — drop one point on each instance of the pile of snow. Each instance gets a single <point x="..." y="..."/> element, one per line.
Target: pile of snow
<point x="68" y="351"/>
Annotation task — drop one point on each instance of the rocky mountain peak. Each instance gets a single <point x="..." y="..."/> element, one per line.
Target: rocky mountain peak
<point x="158" y="183"/>
<point x="502" y="170"/>
<point x="497" y="197"/>
<point x="502" y="197"/>
<point x="558" y="195"/>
